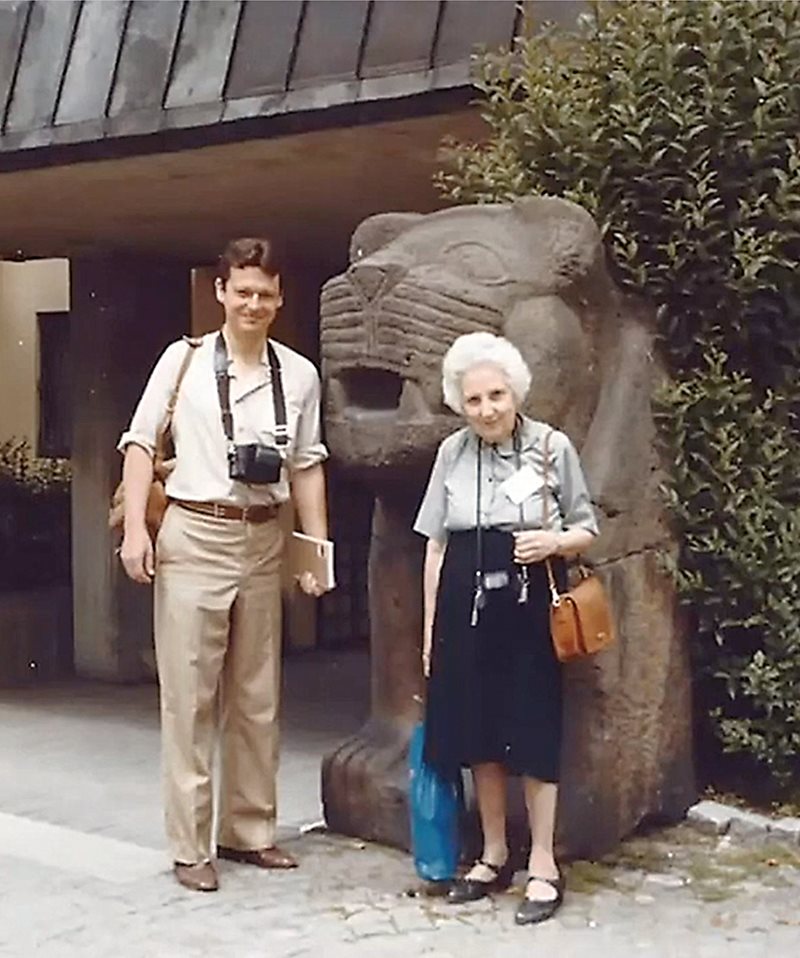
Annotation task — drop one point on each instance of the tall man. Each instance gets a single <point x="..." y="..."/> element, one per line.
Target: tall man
<point x="246" y="429"/>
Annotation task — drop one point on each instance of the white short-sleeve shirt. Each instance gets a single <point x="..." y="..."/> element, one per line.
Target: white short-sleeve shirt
<point x="201" y="460"/>
<point x="451" y="501"/>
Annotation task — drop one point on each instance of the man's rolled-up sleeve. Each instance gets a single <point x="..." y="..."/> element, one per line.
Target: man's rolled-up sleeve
<point x="152" y="406"/>
<point x="309" y="448"/>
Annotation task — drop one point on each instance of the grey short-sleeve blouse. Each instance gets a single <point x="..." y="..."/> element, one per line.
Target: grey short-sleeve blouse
<point x="450" y="501"/>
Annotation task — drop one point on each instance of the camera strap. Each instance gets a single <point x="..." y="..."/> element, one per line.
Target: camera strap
<point x="479" y="591"/>
<point x="221" y="361"/>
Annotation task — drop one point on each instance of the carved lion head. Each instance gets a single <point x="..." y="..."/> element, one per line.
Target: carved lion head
<point x="531" y="271"/>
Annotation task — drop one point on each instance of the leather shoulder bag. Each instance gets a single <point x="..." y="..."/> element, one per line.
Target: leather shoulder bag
<point x="581" y="622"/>
<point x="163" y="462"/>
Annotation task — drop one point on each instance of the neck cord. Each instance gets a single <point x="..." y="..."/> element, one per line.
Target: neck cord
<point x="478" y="594"/>
<point x="479" y="591"/>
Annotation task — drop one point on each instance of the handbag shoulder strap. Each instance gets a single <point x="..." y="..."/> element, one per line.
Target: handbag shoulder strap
<point x="166" y="424"/>
<point x="551" y="579"/>
<point x="545" y="477"/>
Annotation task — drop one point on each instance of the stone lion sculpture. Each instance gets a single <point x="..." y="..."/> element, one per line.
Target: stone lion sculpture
<point x="534" y="272"/>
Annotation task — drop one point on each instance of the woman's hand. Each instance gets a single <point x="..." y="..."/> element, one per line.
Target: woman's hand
<point x="535" y="545"/>
<point x="434" y="557"/>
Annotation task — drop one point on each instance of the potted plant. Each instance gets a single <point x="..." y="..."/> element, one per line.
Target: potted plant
<point x="35" y="589"/>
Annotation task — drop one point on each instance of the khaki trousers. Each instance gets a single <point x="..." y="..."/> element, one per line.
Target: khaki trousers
<point x="217" y="634"/>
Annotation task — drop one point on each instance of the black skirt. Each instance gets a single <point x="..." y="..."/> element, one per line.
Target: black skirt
<point x="495" y="689"/>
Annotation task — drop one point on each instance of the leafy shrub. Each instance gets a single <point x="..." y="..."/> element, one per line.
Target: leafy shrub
<point x="735" y="493"/>
<point x="677" y="125"/>
<point x="34" y="518"/>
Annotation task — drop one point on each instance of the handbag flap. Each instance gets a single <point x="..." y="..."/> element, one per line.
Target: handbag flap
<point x="565" y="630"/>
<point x="593" y="613"/>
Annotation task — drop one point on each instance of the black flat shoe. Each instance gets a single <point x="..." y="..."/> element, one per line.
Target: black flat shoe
<point x="531" y="910"/>
<point x="472" y="889"/>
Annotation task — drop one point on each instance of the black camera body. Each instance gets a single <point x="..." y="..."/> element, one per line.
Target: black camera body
<point x="255" y="464"/>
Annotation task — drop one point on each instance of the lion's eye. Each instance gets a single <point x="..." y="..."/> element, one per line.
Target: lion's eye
<point x="358" y="253"/>
<point x="476" y="261"/>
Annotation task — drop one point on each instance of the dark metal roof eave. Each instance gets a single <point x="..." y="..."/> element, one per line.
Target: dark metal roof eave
<point x="335" y="105"/>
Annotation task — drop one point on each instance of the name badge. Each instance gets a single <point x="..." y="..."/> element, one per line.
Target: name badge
<point x="522" y="484"/>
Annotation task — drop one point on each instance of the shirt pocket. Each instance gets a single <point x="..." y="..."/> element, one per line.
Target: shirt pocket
<point x="550" y="508"/>
<point x="453" y="496"/>
<point x="196" y="405"/>
<point x="459" y="502"/>
<point x="254" y="418"/>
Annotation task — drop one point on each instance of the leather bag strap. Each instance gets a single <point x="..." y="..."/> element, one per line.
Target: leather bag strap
<point x="166" y="424"/>
<point x="555" y="597"/>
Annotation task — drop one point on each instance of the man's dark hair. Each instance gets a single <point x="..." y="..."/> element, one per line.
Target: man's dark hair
<point x="248" y="251"/>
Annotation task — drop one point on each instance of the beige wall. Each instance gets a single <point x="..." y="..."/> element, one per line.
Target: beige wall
<point x="25" y="289"/>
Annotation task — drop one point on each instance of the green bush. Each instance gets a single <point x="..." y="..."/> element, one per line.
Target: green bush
<point x="677" y="124"/>
<point x="735" y="493"/>
<point x="34" y="518"/>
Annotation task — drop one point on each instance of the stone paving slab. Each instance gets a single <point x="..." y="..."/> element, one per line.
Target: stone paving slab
<point x="85" y="755"/>
<point x="346" y="899"/>
<point x="717" y="818"/>
<point x="79" y="792"/>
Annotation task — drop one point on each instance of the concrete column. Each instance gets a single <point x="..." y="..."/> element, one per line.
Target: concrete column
<point x="125" y="309"/>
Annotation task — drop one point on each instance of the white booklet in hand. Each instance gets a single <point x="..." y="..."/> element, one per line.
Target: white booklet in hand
<point x="308" y="554"/>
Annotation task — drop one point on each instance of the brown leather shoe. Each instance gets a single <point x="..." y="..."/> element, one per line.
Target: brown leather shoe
<point x="200" y="876"/>
<point x="272" y="857"/>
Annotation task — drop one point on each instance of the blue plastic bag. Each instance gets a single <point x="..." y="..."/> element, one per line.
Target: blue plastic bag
<point x="434" y="804"/>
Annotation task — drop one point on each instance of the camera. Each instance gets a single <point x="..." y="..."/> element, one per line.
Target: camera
<point x="255" y="464"/>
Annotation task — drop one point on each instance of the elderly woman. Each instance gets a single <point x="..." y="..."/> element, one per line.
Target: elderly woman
<point x="494" y="690"/>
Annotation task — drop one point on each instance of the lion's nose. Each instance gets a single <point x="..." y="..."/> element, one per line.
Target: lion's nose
<point x="373" y="281"/>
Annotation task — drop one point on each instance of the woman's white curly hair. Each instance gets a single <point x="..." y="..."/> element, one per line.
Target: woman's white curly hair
<point x="482" y="349"/>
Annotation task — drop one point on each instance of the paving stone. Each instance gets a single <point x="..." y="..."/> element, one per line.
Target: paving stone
<point x="343" y="902"/>
<point x="786" y="831"/>
<point x="711" y="817"/>
<point x="748" y="826"/>
<point x="666" y="881"/>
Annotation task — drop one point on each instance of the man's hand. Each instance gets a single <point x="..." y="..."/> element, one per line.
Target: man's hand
<point x="309" y="583"/>
<point x="137" y="555"/>
<point x="535" y="545"/>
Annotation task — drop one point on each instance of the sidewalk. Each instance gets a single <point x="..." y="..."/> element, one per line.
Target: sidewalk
<point x="84" y="871"/>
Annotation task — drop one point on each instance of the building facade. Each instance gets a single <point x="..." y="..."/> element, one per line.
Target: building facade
<point x="136" y="136"/>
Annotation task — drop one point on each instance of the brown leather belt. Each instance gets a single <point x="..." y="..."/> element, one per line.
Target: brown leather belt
<point x="221" y="510"/>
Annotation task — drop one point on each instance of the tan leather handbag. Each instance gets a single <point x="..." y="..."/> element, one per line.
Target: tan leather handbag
<point x="581" y="622"/>
<point x="162" y="466"/>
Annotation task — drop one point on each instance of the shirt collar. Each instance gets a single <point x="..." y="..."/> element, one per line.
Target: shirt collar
<point x="263" y="359"/>
<point x="527" y="435"/>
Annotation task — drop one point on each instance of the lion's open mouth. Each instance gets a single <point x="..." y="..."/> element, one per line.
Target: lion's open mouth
<point x="371" y="389"/>
<point x="373" y="392"/>
<point x="383" y="358"/>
